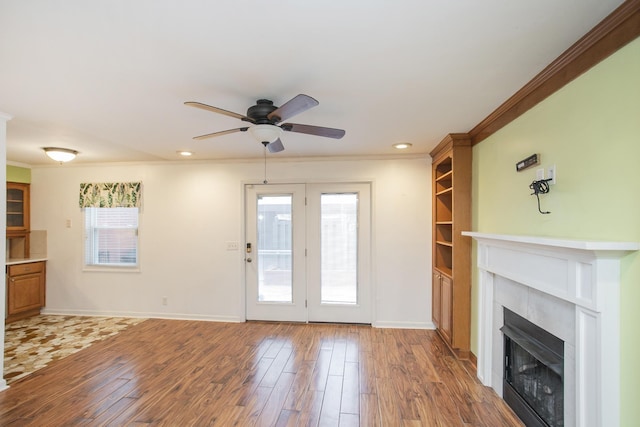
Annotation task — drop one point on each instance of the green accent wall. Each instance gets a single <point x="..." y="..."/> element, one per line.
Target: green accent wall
<point x="590" y="129"/>
<point x="18" y="174"/>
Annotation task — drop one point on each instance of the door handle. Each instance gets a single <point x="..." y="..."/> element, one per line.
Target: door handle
<point x="249" y="260"/>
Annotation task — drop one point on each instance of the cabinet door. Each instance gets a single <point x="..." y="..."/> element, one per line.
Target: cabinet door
<point x="25" y="293"/>
<point x="446" y="289"/>
<point x="436" y="297"/>
<point x="17" y="206"/>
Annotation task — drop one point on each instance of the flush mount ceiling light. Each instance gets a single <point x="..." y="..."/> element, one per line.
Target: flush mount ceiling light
<point x="60" y="154"/>
<point x="185" y="153"/>
<point x="402" y="145"/>
<point x="265" y="133"/>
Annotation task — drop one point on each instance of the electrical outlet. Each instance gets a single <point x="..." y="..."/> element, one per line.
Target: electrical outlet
<point x="552" y="171"/>
<point x="539" y="174"/>
<point x="68" y="223"/>
<point x="165" y="300"/>
<point x="233" y="246"/>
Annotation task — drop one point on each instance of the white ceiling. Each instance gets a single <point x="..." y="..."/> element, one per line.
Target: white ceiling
<point x="109" y="78"/>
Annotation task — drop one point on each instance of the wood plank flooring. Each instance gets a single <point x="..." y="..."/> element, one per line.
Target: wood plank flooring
<point x="190" y="373"/>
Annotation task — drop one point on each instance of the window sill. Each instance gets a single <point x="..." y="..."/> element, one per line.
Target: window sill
<point x="110" y="269"/>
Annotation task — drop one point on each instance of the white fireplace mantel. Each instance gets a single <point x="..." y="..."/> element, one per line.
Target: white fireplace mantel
<point x="572" y="289"/>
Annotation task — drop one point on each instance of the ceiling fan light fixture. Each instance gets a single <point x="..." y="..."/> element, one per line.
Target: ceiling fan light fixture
<point x="265" y="133"/>
<point x="60" y="154"/>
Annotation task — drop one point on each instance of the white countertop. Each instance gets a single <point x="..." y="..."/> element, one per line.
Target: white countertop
<point x="35" y="258"/>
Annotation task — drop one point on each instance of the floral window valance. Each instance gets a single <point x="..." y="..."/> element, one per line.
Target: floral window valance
<point x="110" y="195"/>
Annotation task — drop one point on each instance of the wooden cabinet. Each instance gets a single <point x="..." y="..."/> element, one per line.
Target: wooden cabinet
<point x="17" y="207"/>
<point x="436" y="292"/>
<point x="25" y="290"/>
<point x="442" y="304"/>
<point x="442" y="288"/>
<point x="447" y="306"/>
<point x="451" y="251"/>
<point x="18" y="219"/>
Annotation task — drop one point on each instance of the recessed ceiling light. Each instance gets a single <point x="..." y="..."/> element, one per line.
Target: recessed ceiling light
<point x="402" y="145"/>
<point x="185" y="153"/>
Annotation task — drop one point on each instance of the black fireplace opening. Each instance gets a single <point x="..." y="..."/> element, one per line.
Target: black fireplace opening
<point x="533" y="372"/>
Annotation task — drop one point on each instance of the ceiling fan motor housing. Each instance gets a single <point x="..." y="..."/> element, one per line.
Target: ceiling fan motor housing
<point x="261" y="110"/>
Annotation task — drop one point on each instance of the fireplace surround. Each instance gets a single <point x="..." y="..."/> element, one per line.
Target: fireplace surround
<point x="570" y="288"/>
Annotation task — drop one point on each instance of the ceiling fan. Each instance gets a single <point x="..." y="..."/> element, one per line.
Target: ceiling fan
<point x="266" y="121"/>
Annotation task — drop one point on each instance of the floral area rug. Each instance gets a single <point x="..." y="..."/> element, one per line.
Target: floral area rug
<point x="33" y="343"/>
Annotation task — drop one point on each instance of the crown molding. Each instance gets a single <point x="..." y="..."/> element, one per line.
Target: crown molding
<point x="621" y="27"/>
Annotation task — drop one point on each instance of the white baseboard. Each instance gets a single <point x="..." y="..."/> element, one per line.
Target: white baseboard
<point x="404" y="325"/>
<point x="230" y="319"/>
<point x="173" y="316"/>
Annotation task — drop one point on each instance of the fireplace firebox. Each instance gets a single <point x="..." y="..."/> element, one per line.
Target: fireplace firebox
<point x="533" y="372"/>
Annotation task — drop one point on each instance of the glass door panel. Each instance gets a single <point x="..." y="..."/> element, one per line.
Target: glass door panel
<point x="275" y="278"/>
<point x="339" y="252"/>
<point x="339" y="248"/>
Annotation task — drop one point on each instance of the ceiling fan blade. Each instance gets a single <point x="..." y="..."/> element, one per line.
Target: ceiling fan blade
<point x="275" y="146"/>
<point x="295" y="105"/>
<point x="314" y="130"/>
<point x="223" y="132"/>
<point x="218" y="110"/>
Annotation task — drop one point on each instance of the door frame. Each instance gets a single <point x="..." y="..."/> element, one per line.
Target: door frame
<point x="372" y="239"/>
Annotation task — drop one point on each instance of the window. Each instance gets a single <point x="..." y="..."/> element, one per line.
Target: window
<point x="111" y="237"/>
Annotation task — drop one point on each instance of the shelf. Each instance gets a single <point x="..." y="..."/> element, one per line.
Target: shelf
<point x="444" y="170"/>
<point x="443" y="178"/>
<point x="443" y="252"/>
<point x="17" y="218"/>
<point x="446" y="175"/>
<point x="451" y="207"/>
<point x="443" y="206"/>
<point x="444" y="231"/>
<point x="445" y="191"/>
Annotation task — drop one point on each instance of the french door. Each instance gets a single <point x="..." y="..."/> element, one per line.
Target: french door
<point x="274" y="250"/>
<point x="307" y="252"/>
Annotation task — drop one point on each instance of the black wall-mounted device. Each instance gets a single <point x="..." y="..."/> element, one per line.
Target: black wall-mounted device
<point x="533" y="159"/>
<point x="540" y="187"/>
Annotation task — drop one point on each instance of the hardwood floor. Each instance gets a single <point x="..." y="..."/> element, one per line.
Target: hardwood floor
<point x="189" y="373"/>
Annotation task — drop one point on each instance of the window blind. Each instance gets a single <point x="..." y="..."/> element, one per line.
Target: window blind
<point x="111" y="236"/>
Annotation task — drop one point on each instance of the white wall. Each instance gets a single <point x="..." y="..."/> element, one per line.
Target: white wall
<point x="191" y="209"/>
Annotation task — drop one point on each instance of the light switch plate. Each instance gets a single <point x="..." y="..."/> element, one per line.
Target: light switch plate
<point x="551" y="174"/>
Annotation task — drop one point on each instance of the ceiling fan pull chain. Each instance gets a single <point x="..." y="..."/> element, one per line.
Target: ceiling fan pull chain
<point x="265" y="162"/>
